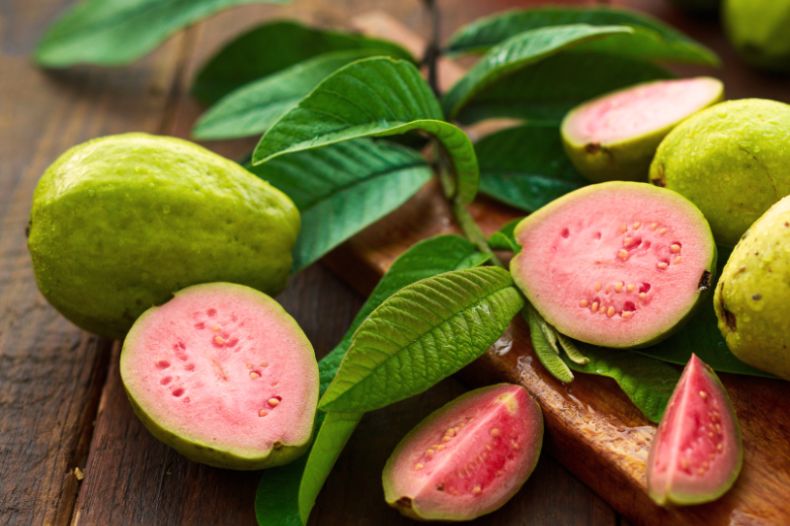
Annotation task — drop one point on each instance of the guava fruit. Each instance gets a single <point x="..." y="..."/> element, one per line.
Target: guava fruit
<point x="467" y="458"/>
<point x="696" y="454"/>
<point x="614" y="137"/>
<point x="758" y="30"/>
<point x="121" y="222"/>
<point x="752" y="298"/>
<point x="731" y="160"/>
<point x="617" y="264"/>
<point x="224" y="375"/>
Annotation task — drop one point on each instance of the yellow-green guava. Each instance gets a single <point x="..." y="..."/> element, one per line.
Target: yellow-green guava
<point x="615" y="136"/>
<point x="121" y="222"/>
<point x="760" y="31"/>
<point x="732" y="160"/>
<point x="752" y="298"/>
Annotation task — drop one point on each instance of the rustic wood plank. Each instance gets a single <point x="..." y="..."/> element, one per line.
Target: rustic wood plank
<point x="50" y="371"/>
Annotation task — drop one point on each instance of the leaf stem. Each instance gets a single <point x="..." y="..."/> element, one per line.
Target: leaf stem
<point x="472" y="231"/>
<point x="432" y="50"/>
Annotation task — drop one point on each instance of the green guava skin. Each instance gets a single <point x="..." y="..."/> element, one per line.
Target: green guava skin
<point x="752" y="298"/>
<point x="625" y="160"/>
<point x="759" y="31"/>
<point x="731" y="160"/>
<point x="121" y="222"/>
<point x="194" y="449"/>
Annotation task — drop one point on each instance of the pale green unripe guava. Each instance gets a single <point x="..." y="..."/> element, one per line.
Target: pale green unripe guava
<point x="752" y="298"/>
<point x="760" y="31"/>
<point x="121" y="222"/>
<point x="732" y="160"/>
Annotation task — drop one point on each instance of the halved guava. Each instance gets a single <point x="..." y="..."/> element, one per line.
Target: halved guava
<point x="616" y="264"/>
<point x="614" y="137"/>
<point x="468" y="458"/>
<point x="224" y="375"/>
<point x="697" y="453"/>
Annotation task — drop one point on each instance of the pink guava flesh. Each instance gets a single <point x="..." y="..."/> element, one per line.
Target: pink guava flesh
<point x="223" y="367"/>
<point x="616" y="264"/>
<point x="468" y="458"/>
<point x="697" y="453"/>
<point x="639" y="110"/>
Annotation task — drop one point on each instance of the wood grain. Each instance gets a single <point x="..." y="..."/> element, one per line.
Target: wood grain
<point x="51" y="373"/>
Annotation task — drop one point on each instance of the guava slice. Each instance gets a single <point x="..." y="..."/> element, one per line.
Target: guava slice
<point x="752" y="298"/>
<point x="224" y="375"/>
<point x="616" y="264"/>
<point x="467" y="458"/>
<point x="614" y="137"/>
<point x="121" y="222"/>
<point x="697" y="453"/>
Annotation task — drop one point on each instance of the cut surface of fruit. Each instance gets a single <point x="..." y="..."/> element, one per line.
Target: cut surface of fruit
<point x="467" y="458"/>
<point x="697" y="452"/>
<point x="223" y="374"/>
<point x="615" y="264"/>
<point x="642" y="109"/>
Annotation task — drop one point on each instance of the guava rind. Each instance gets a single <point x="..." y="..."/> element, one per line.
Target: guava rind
<point x="414" y="499"/>
<point x="625" y="159"/>
<point x="698" y="387"/>
<point x="758" y="29"/>
<point x="200" y="450"/>
<point x="575" y="325"/>
<point x="730" y="160"/>
<point x="121" y="222"/>
<point x="752" y="298"/>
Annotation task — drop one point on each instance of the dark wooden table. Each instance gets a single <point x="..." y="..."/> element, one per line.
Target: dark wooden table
<point x="70" y="449"/>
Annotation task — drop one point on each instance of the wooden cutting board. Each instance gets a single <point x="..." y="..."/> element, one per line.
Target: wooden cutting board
<point x="591" y="426"/>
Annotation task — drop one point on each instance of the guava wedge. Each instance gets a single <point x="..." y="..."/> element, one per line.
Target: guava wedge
<point x="468" y="458"/>
<point x="121" y="222"/>
<point x="615" y="264"/>
<point x="752" y="299"/>
<point x="224" y="375"/>
<point x="697" y="453"/>
<point x="614" y="137"/>
<point x="731" y="160"/>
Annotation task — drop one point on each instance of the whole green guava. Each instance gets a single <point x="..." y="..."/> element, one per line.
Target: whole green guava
<point x="121" y="222"/>
<point x="732" y="160"/>
<point x="752" y="298"/>
<point x="760" y="31"/>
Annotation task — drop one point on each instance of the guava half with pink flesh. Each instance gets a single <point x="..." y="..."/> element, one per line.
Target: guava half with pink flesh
<point x="616" y="264"/>
<point x="224" y="375"/>
<point x="467" y="458"/>
<point x="614" y="137"/>
<point x="697" y="452"/>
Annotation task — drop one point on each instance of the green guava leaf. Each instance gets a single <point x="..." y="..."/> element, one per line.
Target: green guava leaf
<point x="546" y="90"/>
<point x="526" y="166"/>
<point x="652" y="39"/>
<point x="648" y="383"/>
<point x="372" y="97"/>
<point x="548" y="354"/>
<point x="342" y="188"/>
<point x="287" y="493"/>
<point x="573" y="352"/>
<point x="274" y="46"/>
<point x="116" y="32"/>
<point x="702" y="337"/>
<point x="504" y="238"/>
<point x="254" y="107"/>
<point x="519" y="52"/>
<point x="422" y="334"/>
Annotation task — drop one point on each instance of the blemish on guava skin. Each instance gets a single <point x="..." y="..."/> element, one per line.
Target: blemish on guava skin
<point x="659" y="179"/>
<point x="705" y="280"/>
<point x="404" y="502"/>
<point x="592" y="147"/>
<point x="757" y="297"/>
